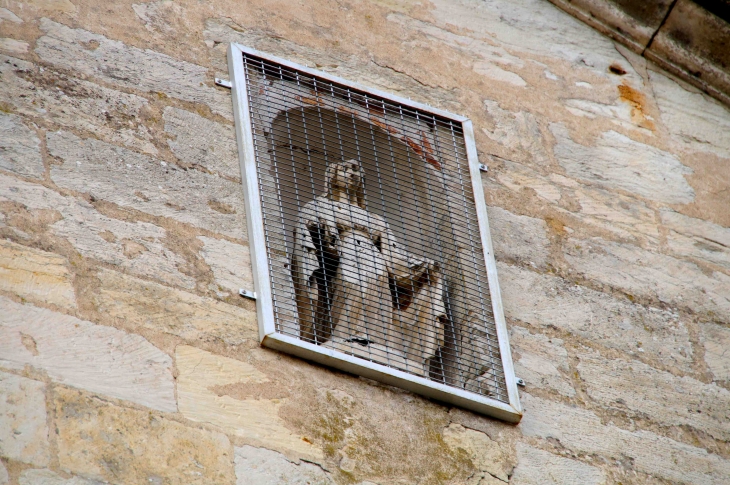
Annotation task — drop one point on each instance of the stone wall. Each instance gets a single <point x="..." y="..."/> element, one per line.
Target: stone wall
<point x="127" y="357"/>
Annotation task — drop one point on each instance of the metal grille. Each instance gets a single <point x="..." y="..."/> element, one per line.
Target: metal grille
<point x="371" y="230"/>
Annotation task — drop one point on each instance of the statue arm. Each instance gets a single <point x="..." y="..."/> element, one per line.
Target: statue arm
<point x="407" y="273"/>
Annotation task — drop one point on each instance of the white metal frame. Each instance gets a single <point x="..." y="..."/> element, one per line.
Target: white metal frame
<point x="511" y="412"/>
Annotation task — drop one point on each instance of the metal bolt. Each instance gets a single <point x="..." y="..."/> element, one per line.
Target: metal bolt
<point x="520" y="382"/>
<point x="483" y="167"/>
<point x="247" y="294"/>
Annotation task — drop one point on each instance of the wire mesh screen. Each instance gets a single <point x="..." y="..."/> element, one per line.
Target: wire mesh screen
<point x="371" y="230"/>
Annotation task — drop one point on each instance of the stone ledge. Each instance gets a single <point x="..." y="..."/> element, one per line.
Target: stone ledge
<point x="689" y="39"/>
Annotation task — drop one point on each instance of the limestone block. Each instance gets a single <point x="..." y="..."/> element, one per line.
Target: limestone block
<point x="538" y="467"/>
<point x="32" y="196"/>
<point x="13" y="46"/>
<point x="112" y="443"/>
<point x="582" y="432"/>
<point x="716" y="340"/>
<point x="47" y="477"/>
<point x="230" y="262"/>
<point x="36" y="275"/>
<point x="202" y="142"/>
<point x="137" y="247"/>
<point x="520" y="238"/>
<point x="161" y="16"/>
<point x="259" y="466"/>
<point x="6" y="14"/>
<point x="80" y="354"/>
<point x="160" y="308"/>
<point x="74" y="103"/>
<point x="486" y="455"/>
<point x="519" y="132"/>
<point x="132" y="180"/>
<point x="545" y="301"/>
<point x="19" y="148"/>
<point x="640" y="272"/>
<point x="614" y="162"/>
<point x="664" y="398"/>
<point x="697" y="238"/>
<point x="23" y="429"/>
<point x="695" y="121"/>
<point x="255" y="420"/>
<point x="517" y="176"/>
<point x="488" y="60"/>
<point x="114" y="62"/>
<point x="534" y="28"/>
<point x="626" y="217"/>
<point x="541" y="361"/>
<point x="619" y="113"/>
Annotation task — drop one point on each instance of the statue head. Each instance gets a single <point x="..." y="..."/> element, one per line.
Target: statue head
<point x="344" y="182"/>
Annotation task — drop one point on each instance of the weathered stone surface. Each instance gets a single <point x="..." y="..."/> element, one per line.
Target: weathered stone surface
<point x="137" y="247"/>
<point x="519" y="238"/>
<point x="80" y="354"/>
<point x="695" y="121"/>
<point x="4" y="477"/>
<point x="664" y="398"/>
<point x="640" y="272"/>
<point x="74" y="103"/>
<point x="156" y="307"/>
<point x="158" y="16"/>
<point x="230" y="262"/>
<point x="23" y="429"/>
<point x="517" y="176"/>
<point x="19" y="148"/>
<point x="31" y="195"/>
<point x="487" y="59"/>
<point x="36" y="275"/>
<point x="545" y="301"/>
<point x="618" y="162"/>
<point x="259" y="466"/>
<point x="538" y="467"/>
<point x="106" y="442"/>
<point x="619" y="113"/>
<point x="624" y="216"/>
<point x="519" y="133"/>
<point x="13" y="46"/>
<point x="202" y="142"/>
<point x="581" y="431"/>
<point x="6" y="14"/>
<point x="486" y="455"/>
<point x="697" y="238"/>
<point x="531" y="27"/>
<point x="716" y="340"/>
<point x="255" y="420"/>
<point x="541" y="361"/>
<point x="116" y="63"/>
<point x="133" y="180"/>
<point x="53" y="6"/>
<point x="47" y="477"/>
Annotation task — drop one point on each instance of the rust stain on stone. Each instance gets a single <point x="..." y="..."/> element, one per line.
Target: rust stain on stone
<point x="637" y="101"/>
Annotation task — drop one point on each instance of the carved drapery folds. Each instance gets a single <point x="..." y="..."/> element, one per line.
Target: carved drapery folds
<point x="355" y="283"/>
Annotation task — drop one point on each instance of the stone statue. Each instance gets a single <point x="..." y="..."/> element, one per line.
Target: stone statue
<point x="355" y="283"/>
